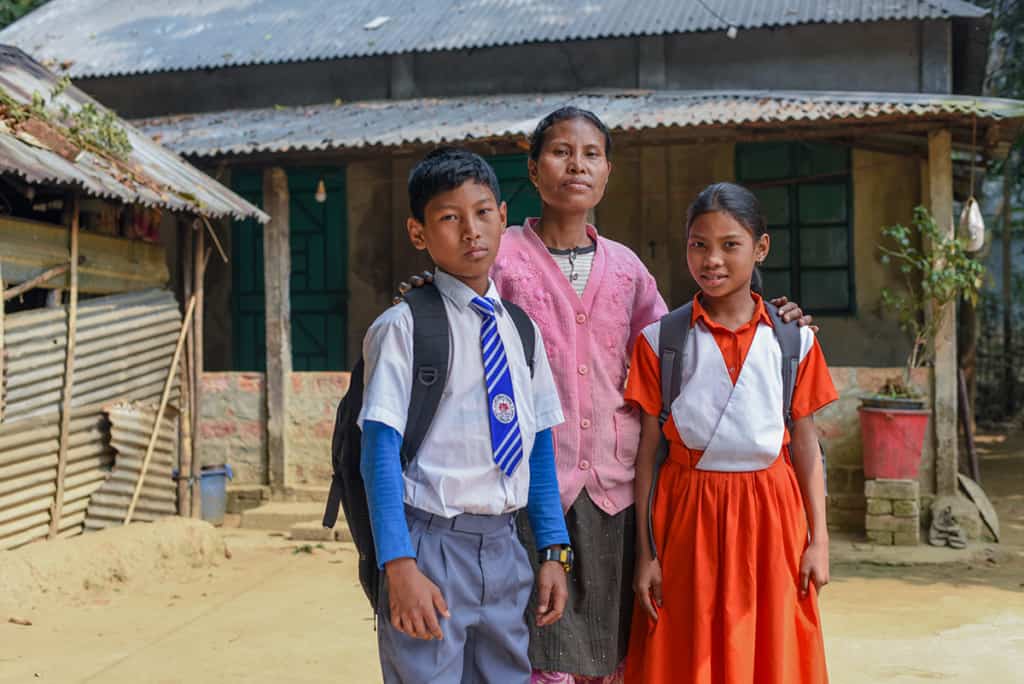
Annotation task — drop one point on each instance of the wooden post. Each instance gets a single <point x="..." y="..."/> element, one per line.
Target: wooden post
<point x="188" y="401"/>
<point x="944" y="371"/>
<point x="168" y="384"/>
<point x="1009" y="377"/>
<point x="196" y="394"/>
<point x="277" y="276"/>
<point x="185" y="443"/>
<point x="69" y="374"/>
<point x="3" y="358"/>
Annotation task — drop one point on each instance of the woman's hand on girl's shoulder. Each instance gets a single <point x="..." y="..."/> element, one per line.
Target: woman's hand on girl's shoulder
<point x="791" y="311"/>
<point x="647" y="585"/>
<point x="814" y="567"/>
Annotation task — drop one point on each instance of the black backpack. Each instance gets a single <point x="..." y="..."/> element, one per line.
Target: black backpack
<point x="675" y="327"/>
<point x="430" y="373"/>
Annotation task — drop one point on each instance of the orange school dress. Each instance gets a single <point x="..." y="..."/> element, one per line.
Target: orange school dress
<point x="729" y="520"/>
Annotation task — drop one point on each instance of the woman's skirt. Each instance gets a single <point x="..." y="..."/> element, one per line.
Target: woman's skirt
<point x="592" y="637"/>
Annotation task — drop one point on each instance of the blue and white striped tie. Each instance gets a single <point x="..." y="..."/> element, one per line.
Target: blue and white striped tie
<point x="506" y="440"/>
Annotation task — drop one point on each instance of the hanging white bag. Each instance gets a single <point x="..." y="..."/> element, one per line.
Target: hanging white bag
<point x="972" y="225"/>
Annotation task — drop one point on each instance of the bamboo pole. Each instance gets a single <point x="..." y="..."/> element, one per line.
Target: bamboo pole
<point x="37" y="280"/>
<point x="216" y="240"/>
<point x="168" y="384"/>
<point x="199" y="274"/>
<point x="69" y="374"/>
<point x="185" y="444"/>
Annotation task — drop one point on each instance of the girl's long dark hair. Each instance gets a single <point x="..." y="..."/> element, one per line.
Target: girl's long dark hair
<point x="739" y="203"/>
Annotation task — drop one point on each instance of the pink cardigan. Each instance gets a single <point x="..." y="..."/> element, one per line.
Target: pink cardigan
<point x="588" y="342"/>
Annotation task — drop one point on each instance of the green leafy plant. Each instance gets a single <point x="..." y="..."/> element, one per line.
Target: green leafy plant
<point x="88" y="127"/>
<point x="937" y="271"/>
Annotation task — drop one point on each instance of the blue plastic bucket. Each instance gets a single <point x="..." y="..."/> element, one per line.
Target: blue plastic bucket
<point x="213" y="492"/>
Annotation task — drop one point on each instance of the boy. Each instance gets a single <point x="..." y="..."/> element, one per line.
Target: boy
<point x="444" y="530"/>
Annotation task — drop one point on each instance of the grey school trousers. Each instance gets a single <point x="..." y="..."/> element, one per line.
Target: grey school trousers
<point x="485" y="577"/>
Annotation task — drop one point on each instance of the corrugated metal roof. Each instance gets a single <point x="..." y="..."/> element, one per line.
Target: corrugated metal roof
<point x="150" y="175"/>
<point x="431" y="121"/>
<point x="108" y="37"/>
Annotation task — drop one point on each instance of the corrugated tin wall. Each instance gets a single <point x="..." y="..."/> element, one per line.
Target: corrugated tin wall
<point x="123" y="351"/>
<point x="130" y="428"/>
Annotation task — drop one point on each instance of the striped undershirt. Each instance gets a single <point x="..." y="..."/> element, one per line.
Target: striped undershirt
<point x="575" y="264"/>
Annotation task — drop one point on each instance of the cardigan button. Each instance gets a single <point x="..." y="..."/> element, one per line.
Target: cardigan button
<point x="582" y="369"/>
<point x="581" y="318"/>
<point x="585" y="423"/>
<point x="584" y="465"/>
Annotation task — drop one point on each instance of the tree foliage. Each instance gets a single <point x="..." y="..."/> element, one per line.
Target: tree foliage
<point x="12" y="10"/>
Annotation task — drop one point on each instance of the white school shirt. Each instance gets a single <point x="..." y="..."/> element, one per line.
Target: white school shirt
<point x="454" y="471"/>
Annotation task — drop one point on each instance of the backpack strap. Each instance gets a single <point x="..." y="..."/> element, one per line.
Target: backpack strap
<point x="788" y="336"/>
<point x="672" y="333"/>
<point x="527" y="334"/>
<point x="430" y="350"/>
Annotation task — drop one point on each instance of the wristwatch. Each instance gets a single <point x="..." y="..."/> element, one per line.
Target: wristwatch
<point x="561" y="554"/>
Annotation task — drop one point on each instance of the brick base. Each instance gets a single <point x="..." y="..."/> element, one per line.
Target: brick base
<point x="893" y="512"/>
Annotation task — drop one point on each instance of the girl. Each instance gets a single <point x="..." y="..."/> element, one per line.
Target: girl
<point x="739" y="511"/>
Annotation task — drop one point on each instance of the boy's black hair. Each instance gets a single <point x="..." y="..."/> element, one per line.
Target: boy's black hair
<point x="567" y="113"/>
<point x="739" y="203"/>
<point x="444" y="169"/>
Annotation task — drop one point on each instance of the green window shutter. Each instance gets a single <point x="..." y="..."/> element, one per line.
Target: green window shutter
<point x="805" y="192"/>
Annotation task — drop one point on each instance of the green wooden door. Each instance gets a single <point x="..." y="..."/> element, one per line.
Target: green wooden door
<point x="318" y="273"/>
<point x="516" y="188"/>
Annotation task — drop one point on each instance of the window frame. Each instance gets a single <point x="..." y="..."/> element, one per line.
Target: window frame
<point x="792" y="184"/>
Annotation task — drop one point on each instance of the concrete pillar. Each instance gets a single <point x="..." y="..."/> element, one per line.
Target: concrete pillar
<point x="944" y="371"/>
<point x="651" y="69"/>
<point x="403" y="80"/>
<point x="936" y="56"/>
<point x="276" y="277"/>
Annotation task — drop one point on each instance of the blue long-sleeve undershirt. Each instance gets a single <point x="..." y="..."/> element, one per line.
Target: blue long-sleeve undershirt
<point x="381" y="468"/>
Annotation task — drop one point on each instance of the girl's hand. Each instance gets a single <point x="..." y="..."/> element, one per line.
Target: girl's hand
<point x="647" y="585"/>
<point x="814" y="567"/>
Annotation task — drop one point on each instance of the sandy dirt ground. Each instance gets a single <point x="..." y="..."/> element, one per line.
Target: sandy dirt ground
<point x="278" y="611"/>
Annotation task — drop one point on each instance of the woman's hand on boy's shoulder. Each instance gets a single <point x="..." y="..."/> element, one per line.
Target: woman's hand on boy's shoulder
<point x="791" y="311"/>
<point x="414" y="281"/>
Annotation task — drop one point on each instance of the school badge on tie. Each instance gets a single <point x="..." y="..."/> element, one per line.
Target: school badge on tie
<point x="506" y="440"/>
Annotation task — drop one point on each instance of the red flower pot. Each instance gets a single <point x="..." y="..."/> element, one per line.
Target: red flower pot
<point x="892" y="441"/>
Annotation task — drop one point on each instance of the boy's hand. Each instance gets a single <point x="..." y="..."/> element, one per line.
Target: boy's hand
<point x="647" y="585"/>
<point x="413" y="600"/>
<point x="814" y="567"/>
<point x="552" y="593"/>
<point x="790" y="311"/>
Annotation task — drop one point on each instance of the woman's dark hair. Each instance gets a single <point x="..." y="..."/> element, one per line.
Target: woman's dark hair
<point x="567" y="114"/>
<point x="739" y="203"/>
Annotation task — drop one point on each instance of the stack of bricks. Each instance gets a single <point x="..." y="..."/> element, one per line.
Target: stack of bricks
<point x="893" y="512"/>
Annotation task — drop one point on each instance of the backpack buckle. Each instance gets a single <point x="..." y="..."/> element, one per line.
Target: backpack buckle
<point x="427" y="375"/>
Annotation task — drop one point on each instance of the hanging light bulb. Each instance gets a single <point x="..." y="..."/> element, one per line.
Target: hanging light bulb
<point x="321" y="192"/>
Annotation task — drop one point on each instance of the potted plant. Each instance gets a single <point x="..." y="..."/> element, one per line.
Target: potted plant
<point x="937" y="271"/>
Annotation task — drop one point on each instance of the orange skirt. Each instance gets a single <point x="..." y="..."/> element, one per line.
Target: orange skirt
<point x="730" y="547"/>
